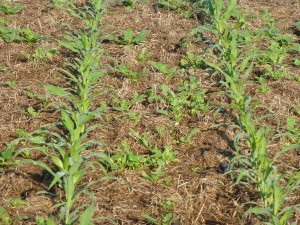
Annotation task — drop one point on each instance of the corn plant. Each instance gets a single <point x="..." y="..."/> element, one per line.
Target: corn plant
<point x="76" y="113"/>
<point x="258" y="169"/>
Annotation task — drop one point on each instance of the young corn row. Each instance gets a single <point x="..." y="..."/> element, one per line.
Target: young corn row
<point x="76" y="114"/>
<point x="258" y="169"/>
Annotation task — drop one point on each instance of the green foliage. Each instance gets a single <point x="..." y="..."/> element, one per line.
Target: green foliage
<point x="142" y="139"/>
<point x="60" y="4"/>
<point x="126" y="71"/>
<point x="6" y="159"/>
<point x="192" y="61"/>
<point x="144" y="55"/>
<point x="43" y="54"/>
<point x="30" y="36"/>
<point x="130" y="4"/>
<point x="11" y="8"/>
<point x="10" y="35"/>
<point x="258" y="169"/>
<point x="76" y="114"/>
<point x="33" y="112"/>
<point x="3" y="22"/>
<point x="128" y="37"/>
<point x="263" y="86"/>
<point x="166" y="218"/>
<point x="187" y="96"/>
<point x="4" y="216"/>
<point x="180" y="6"/>
<point x="272" y="59"/>
<point x="164" y="69"/>
<point x="135" y="117"/>
<point x="293" y="130"/>
<point x="188" y="139"/>
<point x="17" y="202"/>
<point x="124" y="105"/>
<point x="126" y="159"/>
<point x="154" y="176"/>
<point x="44" y="221"/>
<point x="11" y="84"/>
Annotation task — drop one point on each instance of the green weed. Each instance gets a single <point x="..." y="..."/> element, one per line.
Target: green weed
<point x="126" y="71"/>
<point x="144" y="55"/>
<point x="187" y="96"/>
<point x="128" y="37"/>
<point x="164" y="69"/>
<point x="10" y="34"/>
<point x="11" y="8"/>
<point x="293" y="130"/>
<point x="192" y="61"/>
<point x="126" y="159"/>
<point x="124" y="105"/>
<point x="11" y="84"/>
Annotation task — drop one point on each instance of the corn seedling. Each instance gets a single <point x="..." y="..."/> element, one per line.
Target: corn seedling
<point x="258" y="169"/>
<point x="76" y="113"/>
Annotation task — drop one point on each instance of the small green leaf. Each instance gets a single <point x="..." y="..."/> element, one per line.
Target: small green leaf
<point x="86" y="217"/>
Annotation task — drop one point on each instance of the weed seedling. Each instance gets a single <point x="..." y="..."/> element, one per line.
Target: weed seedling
<point x="10" y="34"/>
<point x="30" y="36"/>
<point x="11" y="84"/>
<point x="127" y="72"/>
<point x="192" y="61"/>
<point x="144" y="55"/>
<point x="128" y="37"/>
<point x="164" y="69"/>
<point x="11" y="8"/>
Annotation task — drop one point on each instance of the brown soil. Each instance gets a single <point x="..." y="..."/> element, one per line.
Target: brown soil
<point x="201" y="193"/>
